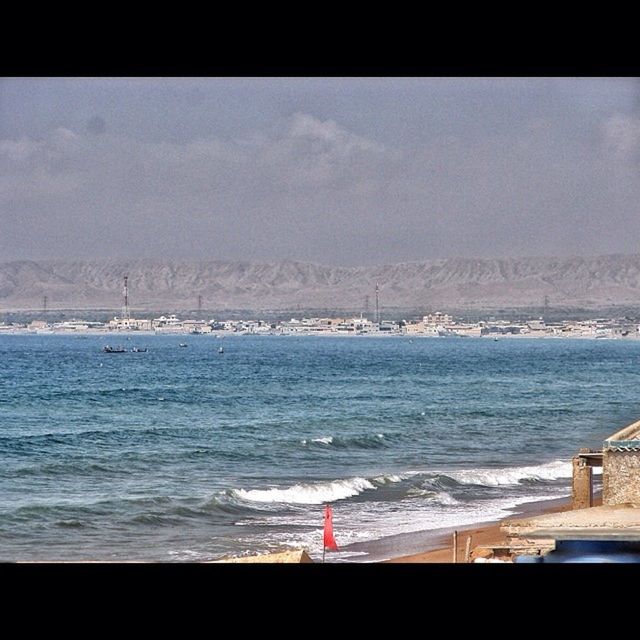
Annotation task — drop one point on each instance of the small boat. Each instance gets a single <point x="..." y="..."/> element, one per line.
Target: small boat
<point x="139" y="349"/>
<point x="182" y="344"/>
<point x="220" y="350"/>
<point x="108" y="349"/>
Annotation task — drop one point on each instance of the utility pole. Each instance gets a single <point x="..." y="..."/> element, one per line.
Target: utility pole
<point x="366" y="306"/>
<point x="199" y="306"/>
<point x="44" y="304"/>
<point x="125" y="309"/>
<point x="377" y="305"/>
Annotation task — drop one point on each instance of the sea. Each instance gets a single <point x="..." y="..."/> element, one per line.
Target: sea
<point x="190" y="454"/>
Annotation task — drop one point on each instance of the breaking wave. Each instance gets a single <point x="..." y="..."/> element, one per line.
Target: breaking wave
<point x="436" y="486"/>
<point x="308" y="493"/>
<point x="433" y="496"/>
<point x="320" y="492"/>
<point x="555" y="470"/>
<point x="365" y="441"/>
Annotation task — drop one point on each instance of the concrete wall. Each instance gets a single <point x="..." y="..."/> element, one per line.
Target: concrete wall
<point x="621" y="477"/>
<point x="582" y="485"/>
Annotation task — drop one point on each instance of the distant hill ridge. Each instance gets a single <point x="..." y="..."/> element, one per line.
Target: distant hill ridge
<point x="460" y="283"/>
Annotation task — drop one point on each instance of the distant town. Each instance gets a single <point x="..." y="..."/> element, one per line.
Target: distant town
<point x="435" y="324"/>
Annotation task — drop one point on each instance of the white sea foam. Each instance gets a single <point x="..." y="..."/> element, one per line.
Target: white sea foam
<point x="430" y="495"/>
<point x="362" y="440"/>
<point x="367" y="521"/>
<point x="392" y="477"/>
<point x="308" y="493"/>
<point x="444" y="498"/>
<point x="513" y="475"/>
<point x="427" y="508"/>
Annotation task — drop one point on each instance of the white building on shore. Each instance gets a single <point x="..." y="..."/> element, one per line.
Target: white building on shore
<point x="129" y="324"/>
<point x="167" y="324"/>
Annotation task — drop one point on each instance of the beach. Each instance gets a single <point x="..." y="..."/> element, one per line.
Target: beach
<point x="440" y="549"/>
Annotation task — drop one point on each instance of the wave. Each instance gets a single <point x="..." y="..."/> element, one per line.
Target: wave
<point x="223" y="507"/>
<point x="392" y="478"/>
<point x="70" y="524"/>
<point x="308" y="493"/>
<point x="323" y="492"/>
<point x="228" y="502"/>
<point x="91" y="432"/>
<point x="439" y="497"/>
<point x="364" y="441"/>
<point x="556" y="470"/>
<point x="74" y="467"/>
<point x="154" y="519"/>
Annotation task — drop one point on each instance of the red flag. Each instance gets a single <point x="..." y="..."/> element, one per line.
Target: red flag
<point x="329" y="540"/>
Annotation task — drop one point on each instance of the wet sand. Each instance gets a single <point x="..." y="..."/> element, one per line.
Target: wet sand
<point x="440" y="549"/>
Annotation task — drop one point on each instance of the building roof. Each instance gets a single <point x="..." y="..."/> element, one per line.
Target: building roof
<point x="627" y="439"/>
<point x="607" y="522"/>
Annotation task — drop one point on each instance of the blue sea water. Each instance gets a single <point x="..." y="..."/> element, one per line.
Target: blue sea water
<point x="189" y="454"/>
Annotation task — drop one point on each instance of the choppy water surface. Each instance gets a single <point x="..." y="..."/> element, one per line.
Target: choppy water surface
<point x="189" y="454"/>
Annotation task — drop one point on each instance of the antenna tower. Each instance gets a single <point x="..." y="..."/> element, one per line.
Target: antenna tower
<point x="125" y="309"/>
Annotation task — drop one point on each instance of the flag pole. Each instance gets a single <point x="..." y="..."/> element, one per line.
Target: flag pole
<point x="327" y="537"/>
<point x="324" y="526"/>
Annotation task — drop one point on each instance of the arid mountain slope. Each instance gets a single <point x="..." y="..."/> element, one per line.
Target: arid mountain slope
<point x="458" y="283"/>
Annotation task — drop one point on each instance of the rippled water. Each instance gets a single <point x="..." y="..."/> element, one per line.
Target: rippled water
<point x="189" y="454"/>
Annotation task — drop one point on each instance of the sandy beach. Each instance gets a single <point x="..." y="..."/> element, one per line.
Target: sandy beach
<point x="440" y="548"/>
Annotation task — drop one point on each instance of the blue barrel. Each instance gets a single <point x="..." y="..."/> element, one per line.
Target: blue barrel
<point x="602" y="551"/>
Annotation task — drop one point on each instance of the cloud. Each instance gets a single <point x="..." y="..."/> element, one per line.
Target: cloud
<point x="312" y="189"/>
<point x="103" y="187"/>
<point x="334" y="137"/>
<point x="96" y="125"/>
<point x="38" y="169"/>
<point x="305" y="152"/>
<point x="308" y="152"/>
<point x="622" y="135"/>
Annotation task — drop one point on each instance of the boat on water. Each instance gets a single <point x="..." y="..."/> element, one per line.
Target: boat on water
<point x="182" y="344"/>
<point x="108" y="349"/>
<point x="220" y="350"/>
<point x="139" y="349"/>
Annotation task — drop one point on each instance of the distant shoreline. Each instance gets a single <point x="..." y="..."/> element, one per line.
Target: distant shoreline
<point x="327" y="334"/>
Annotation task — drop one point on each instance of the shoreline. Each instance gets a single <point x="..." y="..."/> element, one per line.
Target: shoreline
<point x="4" y="331"/>
<point x="436" y="545"/>
<point x="440" y="547"/>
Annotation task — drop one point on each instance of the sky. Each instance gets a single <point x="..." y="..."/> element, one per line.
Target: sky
<point x="337" y="171"/>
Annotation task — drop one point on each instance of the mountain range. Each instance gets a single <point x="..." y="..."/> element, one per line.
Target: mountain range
<point x="454" y="283"/>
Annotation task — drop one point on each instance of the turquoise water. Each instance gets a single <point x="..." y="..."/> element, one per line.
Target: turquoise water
<point x="189" y="454"/>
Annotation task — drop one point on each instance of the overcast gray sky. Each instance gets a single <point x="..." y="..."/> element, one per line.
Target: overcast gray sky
<point x="335" y="171"/>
